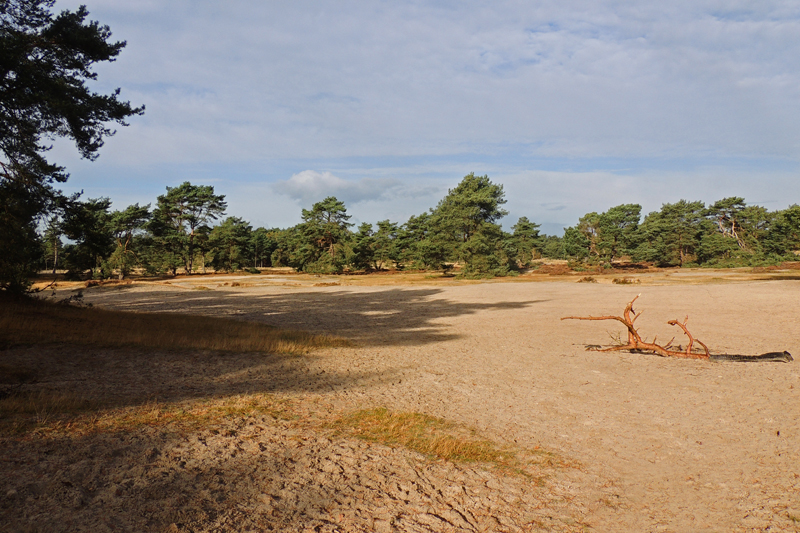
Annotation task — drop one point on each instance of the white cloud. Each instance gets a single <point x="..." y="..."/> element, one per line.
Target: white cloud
<point x="310" y="186"/>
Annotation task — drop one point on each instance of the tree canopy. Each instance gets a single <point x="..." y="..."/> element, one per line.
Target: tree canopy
<point x="45" y="63"/>
<point x="182" y="218"/>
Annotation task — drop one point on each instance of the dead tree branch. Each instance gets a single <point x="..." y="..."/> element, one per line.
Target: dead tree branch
<point x="637" y="344"/>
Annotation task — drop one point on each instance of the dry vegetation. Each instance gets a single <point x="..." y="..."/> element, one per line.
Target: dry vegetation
<point x="25" y="321"/>
<point x="26" y="409"/>
<point x="50" y="413"/>
<point x="436" y="438"/>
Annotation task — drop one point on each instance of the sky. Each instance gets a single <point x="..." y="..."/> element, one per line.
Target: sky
<point x="573" y="106"/>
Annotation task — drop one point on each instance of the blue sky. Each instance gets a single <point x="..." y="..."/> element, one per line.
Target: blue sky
<point x="574" y="106"/>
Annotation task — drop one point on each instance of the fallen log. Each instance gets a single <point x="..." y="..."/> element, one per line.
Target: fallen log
<point x="636" y="344"/>
<point x="777" y="357"/>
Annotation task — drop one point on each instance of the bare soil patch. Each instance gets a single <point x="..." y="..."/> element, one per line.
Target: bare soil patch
<point x="643" y="443"/>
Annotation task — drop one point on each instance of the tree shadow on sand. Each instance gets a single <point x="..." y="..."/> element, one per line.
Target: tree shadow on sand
<point x="247" y="472"/>
<point x="371" y="318"/>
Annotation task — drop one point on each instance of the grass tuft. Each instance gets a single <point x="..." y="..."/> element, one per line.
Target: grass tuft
<point x="433" y="437"/>
<point x="625" y="281"/>
<point x="27" y="321"/>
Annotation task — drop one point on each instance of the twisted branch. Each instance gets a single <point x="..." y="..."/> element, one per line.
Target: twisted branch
<point x="637" y="344"/>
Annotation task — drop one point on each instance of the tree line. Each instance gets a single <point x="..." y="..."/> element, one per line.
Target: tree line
<point x="46" y="61"/>
<point x="186" y="231"/>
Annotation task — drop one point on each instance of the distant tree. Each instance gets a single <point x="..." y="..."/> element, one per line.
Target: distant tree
<point x="672" y="236"/>
<point x="783" y="237"/>
<point x="419" y="245"/>
<point x="475" y="201"/>
<point x="88" y="224"/>
<point x="287" y="245"/>
<point x="738" y="221"/>
<point x="181" y="221"/>
<point x="577" y="244"/>
<point x="525" y="242"/>
<point x="584" y="241"/>
<point x="469" y="211"/>
<point x="229" y="243"/>
<point x="125" y="226"/>
<point x="363" y="251"/>
<point x="52" y="246"/>
<point x="386" y="244"/>
<point x="553" y="247"/>
<point x="323" y="236"/>
<point x="45" y="63"/>
<point x="618" y="230"/>
<point x="605" y="236"/>
<point x="739" y="231"/>
<point x="486" y="253"/>
<point x="262" y="243"/>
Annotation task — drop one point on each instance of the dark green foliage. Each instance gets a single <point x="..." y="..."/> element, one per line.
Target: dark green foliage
<point x="738" y="230"/>
<point x="126" y="226"/>
<point x="45" y="62"/>
<point x="229" y="243"/>
<point x="464" y="223"/>
<point x="553" y="247"/>
<point x="322" y="238"/>
<point x="484" y="254"/>
<point x="672" y="236"/>
<point x="525" y="244"/>
<point x="375" y="250"/>
<point x="420" y="246"/>
<point x="180" y="223"/>
<point x="738" y="221"/>
<point x="576" y="244"/>
<point x="618" y="231"/>
<point x="474" y="202"/>
<point x="88" y="224"/>
<point x="363" y="251"/>
<point x="52" y="247"/>
<point x="263" y="242"/>
<point x="783" y="237"/>
<point x="604" y="236"/>
<point x="386" y="252"/>
<point x="20" y="248"/>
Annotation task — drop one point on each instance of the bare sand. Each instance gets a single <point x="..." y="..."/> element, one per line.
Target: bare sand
<point x="656" y="444"/>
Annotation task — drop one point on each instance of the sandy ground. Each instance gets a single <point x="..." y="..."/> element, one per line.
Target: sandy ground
<point x="659" y="444"/>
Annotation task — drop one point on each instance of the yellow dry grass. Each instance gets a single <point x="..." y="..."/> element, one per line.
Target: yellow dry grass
<point x="26" y="321"/>
<point x="437" y="438"/>
<point x="48" y="412"/>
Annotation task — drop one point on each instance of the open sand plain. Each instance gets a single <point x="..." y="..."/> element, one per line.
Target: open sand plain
<point x="644" y="443"/>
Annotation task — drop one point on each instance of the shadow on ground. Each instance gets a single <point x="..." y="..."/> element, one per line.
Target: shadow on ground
<point x="120" y="377"/>
<point x="371" y="318"/>
<point x="246" y="472"/>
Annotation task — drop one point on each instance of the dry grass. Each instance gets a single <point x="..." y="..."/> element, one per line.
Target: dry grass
<point x="437" y="438"/>
<point x="625" y="281"/>
<point x="48" y="413"/>
<point x="26" y="321"/>
<point x="24" y="412"/>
